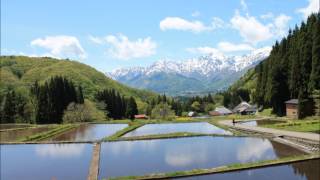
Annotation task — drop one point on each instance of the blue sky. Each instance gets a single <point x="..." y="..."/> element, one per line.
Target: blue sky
<point x="123" y="33"/>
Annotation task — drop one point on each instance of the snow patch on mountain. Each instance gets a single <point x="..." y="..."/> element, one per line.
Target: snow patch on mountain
<point x="204" y="66"/>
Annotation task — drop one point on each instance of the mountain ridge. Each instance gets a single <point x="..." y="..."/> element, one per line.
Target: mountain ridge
<point x="206" y="73"/>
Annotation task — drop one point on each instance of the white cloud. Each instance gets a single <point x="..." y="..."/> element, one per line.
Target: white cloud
<point x="177" y="23"/>
<point x="281" y="25"/>
<point x="61" y="46"/>
<point x="250" y="28"/>
<point x="312" y="7"/>
<point x="123" y="48"/>
<point x="195" y="14"/>
<point x="244" y="5"/>
<point x="268" y="15"/>
<point x="96" y="40"/>
<point x="217" y="23"/>
<point x="230" y="47"/>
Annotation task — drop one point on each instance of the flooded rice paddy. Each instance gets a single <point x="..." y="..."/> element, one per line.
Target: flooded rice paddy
<point x="45" y="161"/>
<point x="199" y="127"/>
<point x="14" y="135"/>
<point x="13" y="126"/>
<point x="89" y="132"/>
<point x="306" y="170"/>
<point x="167" y="155"/>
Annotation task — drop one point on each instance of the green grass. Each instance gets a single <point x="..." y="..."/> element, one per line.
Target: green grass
<point x="44" y="135"/>
<point x="163" y="136"/>
<point x="228" y="168"/>
<point x="298" y="125"/>
<point x="120" y="133"/>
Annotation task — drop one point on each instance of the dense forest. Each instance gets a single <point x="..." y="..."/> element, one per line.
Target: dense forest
<point x="292" y="71"/>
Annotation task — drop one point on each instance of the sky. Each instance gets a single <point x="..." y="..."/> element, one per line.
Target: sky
<point x="111" y="34"/>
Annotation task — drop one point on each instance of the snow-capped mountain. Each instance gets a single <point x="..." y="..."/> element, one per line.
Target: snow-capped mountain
<point x="206" y="73"/>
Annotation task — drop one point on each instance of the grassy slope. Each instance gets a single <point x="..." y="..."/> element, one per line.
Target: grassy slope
<point x="20" y="72"/>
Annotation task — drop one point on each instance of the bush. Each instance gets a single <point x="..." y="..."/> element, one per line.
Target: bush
<point x="162" y="111"/>
<point x="77" y="113"/>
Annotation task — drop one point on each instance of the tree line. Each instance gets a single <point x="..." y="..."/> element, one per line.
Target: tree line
<point x="117" y="106"/>
<point x="44" y="104"/>
<point x="292" y="70"/>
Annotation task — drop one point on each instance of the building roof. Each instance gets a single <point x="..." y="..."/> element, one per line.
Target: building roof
<point x="241" y="107"/>
<point x="223" y="110"/>
<point x="292" y="101"/>
<point x="140" y="116"/>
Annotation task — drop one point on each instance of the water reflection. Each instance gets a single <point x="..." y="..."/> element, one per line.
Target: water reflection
<point x="60" y="150"/>
<point x="306" y="170"/>
<point x="45" y="161"/>
<point x="90" y="132"/>
<point x="201" y="127"/>
<point x="253" y="149"/>
<point x="164" y="155"/>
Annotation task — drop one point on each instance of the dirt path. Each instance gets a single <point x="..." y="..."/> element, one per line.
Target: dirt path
<point x="94" y="166"/>
<point x="275" y="132"/>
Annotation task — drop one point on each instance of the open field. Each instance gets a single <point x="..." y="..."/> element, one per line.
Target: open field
<point x="298" y="125"/>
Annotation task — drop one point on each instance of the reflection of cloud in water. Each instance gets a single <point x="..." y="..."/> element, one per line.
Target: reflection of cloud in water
<point x="126" y="147"/>
<point x="253" y="149"/>
<point x="185" y="155"/>
<point x="59" y="150"/>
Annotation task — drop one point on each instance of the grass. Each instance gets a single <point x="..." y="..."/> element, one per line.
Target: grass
<point x="298" y="125"/>
<point x="48" y="134"/>
<point x="228" y="168"/>
<point x="122" y="132"/>
<point x="165" y="136"/>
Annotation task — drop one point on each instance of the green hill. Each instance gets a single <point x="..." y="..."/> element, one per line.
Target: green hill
<point x="20" y="72"/>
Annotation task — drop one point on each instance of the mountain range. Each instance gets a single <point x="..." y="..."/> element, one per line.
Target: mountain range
<point x="209" y="73"/>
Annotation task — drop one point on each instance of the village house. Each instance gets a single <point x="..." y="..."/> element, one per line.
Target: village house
<point x="292" y="108"/>
<point x="245" y="108"/>
<point x="140" y="116"/>
<point x="220" y="111"/>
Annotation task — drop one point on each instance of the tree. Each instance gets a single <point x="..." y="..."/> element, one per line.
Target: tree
<point x="196" y="106"/>
<point x="9" y="110"/>
<point x="131" y="108"/>
<point x="162" y="111"/>
<point x="77" y="113"/>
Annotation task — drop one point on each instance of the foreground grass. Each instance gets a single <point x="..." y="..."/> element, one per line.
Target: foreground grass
<point x="45" y="135"/>
<point x="298" y="125"/>
<point x="228" y="168"/>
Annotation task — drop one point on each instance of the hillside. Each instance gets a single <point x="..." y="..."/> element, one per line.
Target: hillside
<point x="292" y="71"/>
<point x="19" y="72"/>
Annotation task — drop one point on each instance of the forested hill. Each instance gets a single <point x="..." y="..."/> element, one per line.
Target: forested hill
<point x="291" y="71"/>
<point x="20" y="72"/>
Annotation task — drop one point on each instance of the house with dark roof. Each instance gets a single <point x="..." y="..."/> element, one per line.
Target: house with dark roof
<point x="219" y="111"/>
<point x="292" y="108"/>
<point x="245" y="108"/>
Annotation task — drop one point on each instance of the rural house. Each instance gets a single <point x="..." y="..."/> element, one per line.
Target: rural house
<point x="219" y="111"/>
<point x="245" y="108"/>
<point x="292" y="108"/>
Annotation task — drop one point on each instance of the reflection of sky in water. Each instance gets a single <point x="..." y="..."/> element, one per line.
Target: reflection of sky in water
<point x="90" y="132"/>
<point x="167" y="155"/>
<point x="45" y="161"/>
<point x="201" y="127"/>
<point x="59" y="150"/>
<point x="186" y="155"/>
<point x="254" y="149"/>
